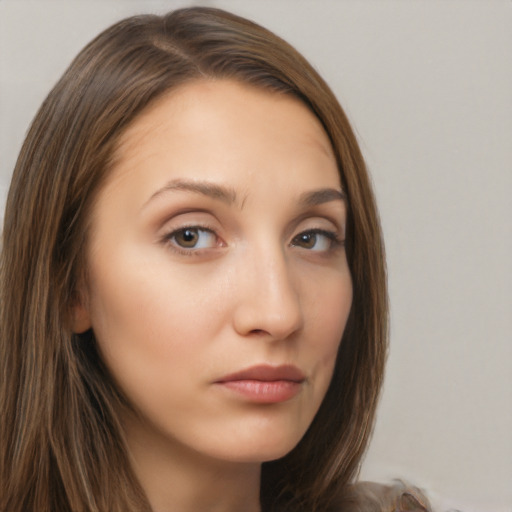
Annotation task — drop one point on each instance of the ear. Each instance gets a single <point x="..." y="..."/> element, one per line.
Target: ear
<point x="80" y="319"/>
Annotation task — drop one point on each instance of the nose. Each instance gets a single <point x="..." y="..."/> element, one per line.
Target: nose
<point x="267" y="301"/>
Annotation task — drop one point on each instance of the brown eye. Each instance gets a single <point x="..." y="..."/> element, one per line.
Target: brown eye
<point x="187" y="237"/>
<point x="306" y="240"/>
<point x="193" y="238"/>
<point x="316" y="240"/>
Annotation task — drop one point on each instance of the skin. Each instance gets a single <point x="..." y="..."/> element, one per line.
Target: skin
<point x="260" y="277"/>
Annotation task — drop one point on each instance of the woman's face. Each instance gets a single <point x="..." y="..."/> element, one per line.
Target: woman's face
<point x="218" y="283"/>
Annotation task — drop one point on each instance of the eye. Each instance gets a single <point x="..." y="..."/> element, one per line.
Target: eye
<point x="192" y="238"/>
<point x="317" y="240"/>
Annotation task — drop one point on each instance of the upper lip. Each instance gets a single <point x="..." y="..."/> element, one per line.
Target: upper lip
<point x="266" y="373"/>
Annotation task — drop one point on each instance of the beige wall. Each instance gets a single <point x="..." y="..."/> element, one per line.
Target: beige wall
<point x="428" y="85"/>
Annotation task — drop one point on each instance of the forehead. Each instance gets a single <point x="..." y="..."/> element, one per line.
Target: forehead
<point x="206" y="105"/>
<point x="204" y="128"/>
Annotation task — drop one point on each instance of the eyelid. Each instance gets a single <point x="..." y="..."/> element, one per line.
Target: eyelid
<point x="192" y="251"/>
<point x="334" y="212"/>
<point x="320" y="221"/>
<point x="333" y="236"/>
<point x="187" y="217"/>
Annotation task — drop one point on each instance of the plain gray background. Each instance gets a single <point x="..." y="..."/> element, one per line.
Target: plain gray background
<point x="428" y="87"/>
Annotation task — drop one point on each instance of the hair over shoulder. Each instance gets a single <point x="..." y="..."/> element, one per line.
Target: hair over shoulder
<point x="61" y="444"/>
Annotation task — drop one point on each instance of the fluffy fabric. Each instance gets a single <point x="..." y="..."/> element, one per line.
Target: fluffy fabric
<point x="372" y="497"/>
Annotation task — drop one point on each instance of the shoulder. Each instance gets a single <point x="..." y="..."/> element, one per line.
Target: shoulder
<point x="373" y="497"/>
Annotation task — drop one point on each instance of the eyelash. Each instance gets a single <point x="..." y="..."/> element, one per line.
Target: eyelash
<point x="335" y="240"/>
<point x="169" y="239"/>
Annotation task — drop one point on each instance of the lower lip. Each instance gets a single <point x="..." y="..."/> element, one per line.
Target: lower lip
<point x="264" y="392"/>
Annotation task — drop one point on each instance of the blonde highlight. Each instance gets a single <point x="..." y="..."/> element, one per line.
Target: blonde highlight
<point x="61" y="444"/>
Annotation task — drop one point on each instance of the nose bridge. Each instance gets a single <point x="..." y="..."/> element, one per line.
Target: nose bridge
<point x="269" y="301"/>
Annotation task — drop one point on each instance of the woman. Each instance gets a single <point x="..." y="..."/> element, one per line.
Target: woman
<point x="194" y="305"/>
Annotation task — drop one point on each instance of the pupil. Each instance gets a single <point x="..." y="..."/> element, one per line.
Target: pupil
<point x="188" y="237"/>
<point x="308" y="239"/>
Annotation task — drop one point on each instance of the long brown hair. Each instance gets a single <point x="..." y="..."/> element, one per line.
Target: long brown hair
<point x="61" y="446"/>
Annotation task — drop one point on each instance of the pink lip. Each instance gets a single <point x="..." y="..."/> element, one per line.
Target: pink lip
<point x="265" y="383"/>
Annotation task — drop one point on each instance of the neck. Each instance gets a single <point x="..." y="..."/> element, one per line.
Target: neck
<point x="177" y="478"/>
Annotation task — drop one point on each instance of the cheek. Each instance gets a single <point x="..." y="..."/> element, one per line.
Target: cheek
<point x="337" y="314"/>
<point x="151" y="326"/>
<point x="140" y="290"/>
<point x="330" y="305"/>
<point x="328" y="313"/>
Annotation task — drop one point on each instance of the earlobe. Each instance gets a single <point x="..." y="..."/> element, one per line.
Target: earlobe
<point x="80" y="319"/>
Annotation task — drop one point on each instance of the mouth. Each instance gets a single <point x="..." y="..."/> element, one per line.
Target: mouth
<point x="264" y="384"/>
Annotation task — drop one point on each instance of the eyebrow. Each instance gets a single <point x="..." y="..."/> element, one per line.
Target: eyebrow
<point x="321" y="196"/>
<point x="219" y="192"/>
<point x="228" y="195"/>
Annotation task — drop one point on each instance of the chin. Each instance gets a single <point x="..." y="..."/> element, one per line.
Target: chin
<point x="259" y="447"/>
